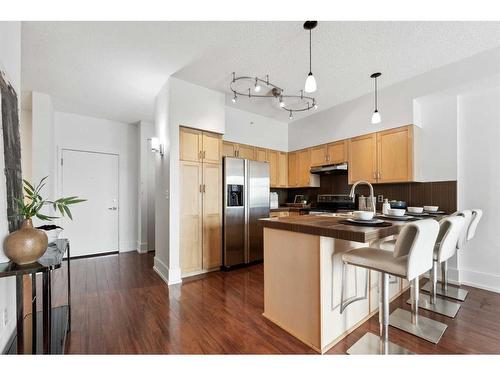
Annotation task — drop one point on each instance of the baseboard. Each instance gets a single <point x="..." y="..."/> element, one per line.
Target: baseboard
<point x="170" y="276"/>
<point x="142" y="247"/>
<point x="481" y="280"/>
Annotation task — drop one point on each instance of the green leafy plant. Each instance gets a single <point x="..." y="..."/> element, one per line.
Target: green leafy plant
<point x="33" y="202"/>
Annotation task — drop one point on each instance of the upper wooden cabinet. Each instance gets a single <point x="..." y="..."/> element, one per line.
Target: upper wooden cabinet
<point x="246" y="152"/>
<point x="363" y="158"/>
<point x="382" y="157"/>
<point x="395" y="155"/>
<point x="238" y="150"/>
<point x="336" y="152"/>
<point x="282" y="169"/>
<point x="272" y="157"/>
<point x="293" y="170"/>
<point x="318" y="156"/>
<point x="260" y="154"/>
<point x="196" y="145"/>
<point x="229" y="148"/>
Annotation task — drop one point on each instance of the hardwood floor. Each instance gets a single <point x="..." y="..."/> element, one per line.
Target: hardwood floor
<point x="121" y="306"/>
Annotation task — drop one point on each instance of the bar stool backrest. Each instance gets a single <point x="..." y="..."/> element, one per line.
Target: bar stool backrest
<point x="416" y="241"/>
<point x="467" y="214"/>
<point x="450" y="229"/>
<point x="477" y="214"/>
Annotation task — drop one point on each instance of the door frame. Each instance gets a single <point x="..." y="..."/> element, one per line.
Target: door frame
<point x="59" y="174"/>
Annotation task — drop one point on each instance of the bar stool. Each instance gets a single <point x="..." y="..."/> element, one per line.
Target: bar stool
<point x="411" y="258"/>
<point x="472" y="218"/>
<point x="450" y="229"/>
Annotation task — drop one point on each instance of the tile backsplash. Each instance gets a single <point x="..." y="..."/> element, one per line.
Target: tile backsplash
<point x="439" y="193"/>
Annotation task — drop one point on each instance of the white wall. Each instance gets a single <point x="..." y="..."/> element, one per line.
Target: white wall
<point x="479" y="182"/>
<point x="146" y="189"/>
<point x="92" y="134"/>
<point x="43" y="156"/>
<point x="250" y="128"/>
<point x="10" y="64"/>
<point x="179" y="103"/>
<point x="26" y="135"/>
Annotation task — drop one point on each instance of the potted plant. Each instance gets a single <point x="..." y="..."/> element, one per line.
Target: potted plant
<point x="27" y="244"/>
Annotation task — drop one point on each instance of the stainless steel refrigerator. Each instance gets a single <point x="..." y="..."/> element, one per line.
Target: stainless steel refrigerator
<point x="246" y="200"/>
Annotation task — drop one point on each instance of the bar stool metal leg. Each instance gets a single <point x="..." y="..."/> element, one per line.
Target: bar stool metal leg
<point x="444" y="288"/>
<point x="433" y="303"/>
<point x="414" y="324"/>
<point x="371" y="344"/>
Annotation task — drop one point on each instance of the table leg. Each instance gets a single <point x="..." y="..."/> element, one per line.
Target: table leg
<point x="20" y="314"/>
<point x="47" y="318"/>
<point x="69" y="292"/>
<point x="33" y="314"/>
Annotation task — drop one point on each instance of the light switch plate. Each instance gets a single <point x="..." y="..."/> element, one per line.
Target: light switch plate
<point x="380" y="198"/>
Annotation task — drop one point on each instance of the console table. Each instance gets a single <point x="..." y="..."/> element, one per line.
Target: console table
<point x="51" y="340"/>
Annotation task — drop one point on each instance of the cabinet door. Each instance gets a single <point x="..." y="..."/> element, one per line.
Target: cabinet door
<point x="189" y="144"/>
<point x="363" y="158"/>
<point x="211" y="147"/>
<point x="318" y="156"/>
<point x="304" y="158"/>
<point x="212" y="216"/>
<point x="336" y="152"/>
<point x="246" y="152"/>
<point x="293" y="170"/>
<point x="273" y="167"/>
<point x="191" y="217"/>
<point x="282" y="169"/>
<point x="228" y="148"/>
<point x="395" y="155"/>
<point x="260" y="154"/>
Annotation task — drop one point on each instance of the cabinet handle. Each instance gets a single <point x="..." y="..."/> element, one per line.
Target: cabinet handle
<point x="204" y="154"/>
<point x="374" y="175"/>
<point x="201" y="188"/>
<point x="200" y="155"/>
<point x="379" y="175"/>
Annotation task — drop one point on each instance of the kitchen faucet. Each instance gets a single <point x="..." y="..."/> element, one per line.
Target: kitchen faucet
<point x="372" y="196"/>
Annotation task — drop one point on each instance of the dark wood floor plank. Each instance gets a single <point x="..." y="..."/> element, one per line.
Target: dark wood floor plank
<point x="121" y="306"/>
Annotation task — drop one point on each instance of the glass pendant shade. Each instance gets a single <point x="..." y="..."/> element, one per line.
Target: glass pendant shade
<point x="310" y="83"/>
<point x="376" y="119"/>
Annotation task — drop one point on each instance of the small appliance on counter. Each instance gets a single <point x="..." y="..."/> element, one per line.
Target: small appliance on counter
<point x="273" y="200"/>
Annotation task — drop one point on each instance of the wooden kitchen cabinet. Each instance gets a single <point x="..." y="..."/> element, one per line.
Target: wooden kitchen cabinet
<point x="363" y="158"/>
<point x="336" y="152"/>
<point x="282" y="169"/>
<point x="318" y="156"/>
<point x="395" y="155"/>
<point x="293" y="170"/>
<point x="272" y="158"/>
<point x="190" y="144"/>
<point x="246" y="152"/>
<point x="211" y="147"/>
<point x="196" y="145"/>
<point x="260" y="154"/>
<point x="229" y="148"/>
<point x="212" y="216"/>
<point x="191" y="219"/>
<point x="304" y="162"/>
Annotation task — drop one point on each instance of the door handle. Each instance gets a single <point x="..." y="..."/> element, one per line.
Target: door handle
<point x="112" y="208"/>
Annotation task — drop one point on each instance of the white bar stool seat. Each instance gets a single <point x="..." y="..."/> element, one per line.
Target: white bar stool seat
<point x="411" y="258"/>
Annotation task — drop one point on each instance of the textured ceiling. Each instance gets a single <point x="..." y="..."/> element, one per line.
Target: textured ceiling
<point x="115" y="69"/>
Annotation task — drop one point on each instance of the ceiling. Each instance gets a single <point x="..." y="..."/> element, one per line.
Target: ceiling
<point x="115" y="69"/>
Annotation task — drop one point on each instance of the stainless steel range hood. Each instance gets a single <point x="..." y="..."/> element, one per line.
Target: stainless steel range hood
<point x="325" y="169"/>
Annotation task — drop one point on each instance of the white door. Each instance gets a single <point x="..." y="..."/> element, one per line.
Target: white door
<point x="92" y="176"/>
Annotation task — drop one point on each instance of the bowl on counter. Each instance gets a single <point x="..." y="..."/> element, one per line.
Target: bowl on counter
<point x="396" y="211"/>
<point x="363" y="215"/>
<point x="431" y="208"/>
<point x="415" y="210"/>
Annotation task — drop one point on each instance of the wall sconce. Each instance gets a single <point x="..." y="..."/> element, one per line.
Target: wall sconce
<point x="156" y="145"/>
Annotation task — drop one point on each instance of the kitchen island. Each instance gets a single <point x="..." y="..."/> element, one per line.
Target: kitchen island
<point x="303" y="276"/>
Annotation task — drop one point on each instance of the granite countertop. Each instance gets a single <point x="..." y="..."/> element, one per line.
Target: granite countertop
<point x="330" y="227"/>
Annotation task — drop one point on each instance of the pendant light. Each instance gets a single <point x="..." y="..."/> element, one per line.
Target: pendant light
<point x="310" y="85"/>
<point x="376" y="119"/>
